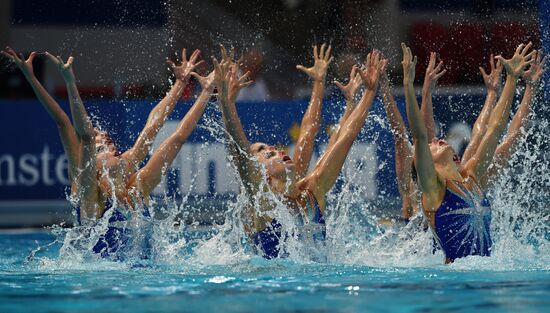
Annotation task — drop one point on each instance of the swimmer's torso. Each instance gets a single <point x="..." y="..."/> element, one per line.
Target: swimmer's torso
<point x="461" y="224"/>
<point x="308" y="218"/>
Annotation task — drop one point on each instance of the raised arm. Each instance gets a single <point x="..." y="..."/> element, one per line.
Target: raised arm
<point x="323" y="176"/>
<point x="520" y="120"/>
<point x="433" y="73"/>
<point x="82" y="123"/>
<point x="515" y="67"/>
<point x="229" y="85"/>
<point x="349" y="92"/>
<point x="162" y="110"/>
<point x="87" y="173"/>
<point x="312" y="118"/>
<point x="493" y="82"/>
<point x="147" y="178"/>
<point x="403" y="150"/>
<point x="64" y="126"/>
<point x="427" y="176"/>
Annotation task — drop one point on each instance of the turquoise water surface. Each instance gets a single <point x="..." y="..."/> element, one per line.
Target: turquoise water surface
<point x="36" y="280"/>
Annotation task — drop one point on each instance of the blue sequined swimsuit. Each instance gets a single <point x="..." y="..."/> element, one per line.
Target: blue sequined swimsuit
<point x="268" y="240"/>
<point x="116" y="241"/>
<point x="462" y="223"/>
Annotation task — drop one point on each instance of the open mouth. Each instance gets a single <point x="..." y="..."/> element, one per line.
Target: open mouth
<point x="456" y="159"/>
<point x="286" y="158"/>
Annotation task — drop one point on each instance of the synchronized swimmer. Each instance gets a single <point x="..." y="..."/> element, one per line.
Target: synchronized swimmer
<point x="449" y="191"/>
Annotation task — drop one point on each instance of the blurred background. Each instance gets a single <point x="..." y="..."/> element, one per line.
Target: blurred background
<point x="121" y="46"/>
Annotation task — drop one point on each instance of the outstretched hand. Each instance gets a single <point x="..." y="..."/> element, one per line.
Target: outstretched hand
<point x="372" y="69"/>
<point x="24" y="65"/>
<point x="515" y="66"/>
<point x="227" y="79"/>
<point x="533" y="75"/>
<point x="322" y="59"/>
<point x="433" y="72"/>
<point x="409" y="64"/>
<point x="66" y="69"/>
<point x="230" y="57"/>
<point x="183" y="71"/>
<point x="353" y="84"/>
<point x="207" y="82"/>
<point x="493" y="79"/>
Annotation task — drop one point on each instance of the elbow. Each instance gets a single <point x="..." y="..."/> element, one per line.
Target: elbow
<point x="63" y="122"/>
<point x="310" y="128"/>
<point x="420" y="135"/>
<point x="86" y="137"/>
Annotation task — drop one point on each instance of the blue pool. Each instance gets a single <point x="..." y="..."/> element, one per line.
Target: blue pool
<point x="35" y="279"/>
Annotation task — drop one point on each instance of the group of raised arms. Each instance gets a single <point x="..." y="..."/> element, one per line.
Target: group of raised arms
<point x="450" y="190"/>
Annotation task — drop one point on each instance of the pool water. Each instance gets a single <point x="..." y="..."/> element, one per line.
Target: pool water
<point x="34" y="279"/>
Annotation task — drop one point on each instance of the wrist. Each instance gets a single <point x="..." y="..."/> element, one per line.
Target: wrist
<point x="407" y="81"/>
<point x="531" y="84"/>
<point x="318" y="85"/>
<point x="511" y="79"/>
<point x="513" y="76"/>
<point x="426" y="92"/>
<point x="319" y="80"/>
<point x="183" y="79"/>
<point x="29" y="75"/>
<point x="371" y="88"/>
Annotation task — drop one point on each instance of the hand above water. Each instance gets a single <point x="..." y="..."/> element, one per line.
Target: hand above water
<point x="493" y="80"/>
<point x="207" y="82"/>
<point x="433" y="73"/>
<point x="374" y="66"/>
<point x="321" y="62"/>
<point x="66" y="69"/>
<point x="409" y="64"/>
<point x="24" y="65"/>
<point x="183" y="71"/>
<point x="227" y="79"/>
<point x="537" y="68"/>
<point x="353" y="84"/>
<point x="515" y="66"/>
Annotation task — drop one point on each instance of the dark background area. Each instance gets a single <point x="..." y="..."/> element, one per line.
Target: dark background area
<point x="121" y="45"/>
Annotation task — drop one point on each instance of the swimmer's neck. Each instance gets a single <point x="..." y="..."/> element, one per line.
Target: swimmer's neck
<point x="286" y="188"/>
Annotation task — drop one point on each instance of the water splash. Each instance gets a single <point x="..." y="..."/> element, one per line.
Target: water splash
<point x="358" y="233"/>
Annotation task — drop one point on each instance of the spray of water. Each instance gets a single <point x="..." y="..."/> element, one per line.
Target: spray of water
<point x="354" y="232"/>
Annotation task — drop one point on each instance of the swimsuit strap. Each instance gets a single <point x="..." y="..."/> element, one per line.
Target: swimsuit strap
<point x="314" y="213"/>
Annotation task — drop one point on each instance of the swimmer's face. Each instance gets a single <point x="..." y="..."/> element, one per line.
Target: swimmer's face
<point x="443" y="153"/>
<point x="276" y="162"/>
<point x="104" y="144"/>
